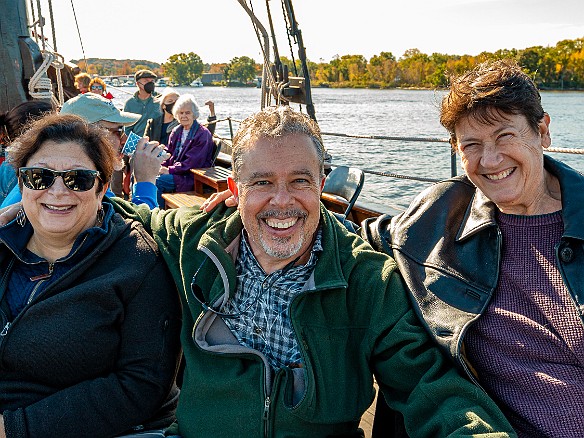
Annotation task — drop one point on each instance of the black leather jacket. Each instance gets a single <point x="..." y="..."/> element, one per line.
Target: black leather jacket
<point x="448" y="248"/>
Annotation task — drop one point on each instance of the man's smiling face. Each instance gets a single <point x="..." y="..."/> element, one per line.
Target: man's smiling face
<point x="278" y="190"/>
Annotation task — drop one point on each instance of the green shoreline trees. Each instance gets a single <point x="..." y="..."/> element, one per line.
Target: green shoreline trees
<point x="560" y="67"/>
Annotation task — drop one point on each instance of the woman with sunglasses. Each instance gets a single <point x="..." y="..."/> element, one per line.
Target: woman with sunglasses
<point x="89" y="312"/>
<point x="98" y="86"/>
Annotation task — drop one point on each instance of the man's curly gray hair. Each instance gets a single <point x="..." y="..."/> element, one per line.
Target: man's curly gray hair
<point x="274" y="122"/>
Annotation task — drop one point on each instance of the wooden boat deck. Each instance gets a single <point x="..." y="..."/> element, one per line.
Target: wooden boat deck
<point x="367" y="418"/>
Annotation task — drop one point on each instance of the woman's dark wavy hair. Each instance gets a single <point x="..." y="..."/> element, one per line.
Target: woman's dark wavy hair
<point x="15" y="121"/>
<point x="62" y="128"/>
<point x="491" y="89"/>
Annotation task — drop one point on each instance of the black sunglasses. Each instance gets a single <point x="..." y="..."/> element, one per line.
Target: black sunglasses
<point x="39" y="178"/>
<point x="118" y="132"/>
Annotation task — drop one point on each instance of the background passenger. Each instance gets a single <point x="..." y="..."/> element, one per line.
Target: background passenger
<point x="143" y="102"/>
<point x="190" y="146"/>
<point x="82" y="81"/>
<point x="159" y="128"/>
<point x="12" y="123"/>
<point x="89" y="311"/>
<point x="98" y="86"/>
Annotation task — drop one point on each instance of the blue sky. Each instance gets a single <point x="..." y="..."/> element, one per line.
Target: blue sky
<point x="218" y="30"/>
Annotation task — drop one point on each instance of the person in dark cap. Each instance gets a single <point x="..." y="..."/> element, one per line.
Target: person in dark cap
<point x="145" y="102"/>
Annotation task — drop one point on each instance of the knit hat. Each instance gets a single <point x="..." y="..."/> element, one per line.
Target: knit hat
<point x="94" y="108"/>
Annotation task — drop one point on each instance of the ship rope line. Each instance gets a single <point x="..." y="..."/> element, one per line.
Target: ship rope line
<point x="268" y="81"/>
<point x="40" y="86"/>
<point x="394" y="138"/>
<point x="416" y="139"/>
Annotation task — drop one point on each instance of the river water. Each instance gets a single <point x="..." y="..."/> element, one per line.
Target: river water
<point x="395" y="113"/>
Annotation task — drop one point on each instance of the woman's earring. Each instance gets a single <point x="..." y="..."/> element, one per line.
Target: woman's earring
<point x="100" y="216"/>
<point x="21" y="217"/>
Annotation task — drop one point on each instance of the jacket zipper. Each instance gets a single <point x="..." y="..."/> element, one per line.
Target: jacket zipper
<point x="5" y="329"/>
<point x="267" y="403"/>
<point x="3" y="286"/>
<point x="269" y="384"/>
<point x="43" y="279"/>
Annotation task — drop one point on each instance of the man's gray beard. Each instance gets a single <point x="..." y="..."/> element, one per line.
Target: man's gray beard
<point x="283" y="253"/>
<point x="119" y="164"/>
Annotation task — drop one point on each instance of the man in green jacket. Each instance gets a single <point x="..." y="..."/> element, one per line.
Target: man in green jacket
<point x="287" y="317"/>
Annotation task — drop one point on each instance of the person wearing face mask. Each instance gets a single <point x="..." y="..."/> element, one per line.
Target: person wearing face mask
<point x="144" y="101"/>
<point x="159" y="128"/>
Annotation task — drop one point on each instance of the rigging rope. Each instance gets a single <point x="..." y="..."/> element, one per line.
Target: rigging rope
<point x="288" y="32"/>
<point x="53" y="26"/>
<point x="40" y="85"/>
<point x="266" y="97"/>
<point x="384" y="137"/>
<point x="396" y="175"/>
<point x="79" y="33"/>
<point x="35" y="33"/>
<point x="422" y="139"/>
<point x="566" y="150"/>
<point x="41" y="24"/>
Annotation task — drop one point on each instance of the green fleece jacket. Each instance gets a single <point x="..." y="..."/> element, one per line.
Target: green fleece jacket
<point x="353" y="322"/>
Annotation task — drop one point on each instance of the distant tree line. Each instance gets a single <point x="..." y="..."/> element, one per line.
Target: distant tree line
<point x="114" y="67"/>
<point x="558" y="67"/>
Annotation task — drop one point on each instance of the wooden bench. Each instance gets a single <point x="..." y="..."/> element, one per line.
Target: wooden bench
<point x="215" y="177"/>
<point x="185" y="199"/>
<point x="338" y="205"/>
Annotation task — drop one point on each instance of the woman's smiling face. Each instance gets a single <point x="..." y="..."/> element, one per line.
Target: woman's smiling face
<point x="504" y="159"/>
<point x="58" y="212"/>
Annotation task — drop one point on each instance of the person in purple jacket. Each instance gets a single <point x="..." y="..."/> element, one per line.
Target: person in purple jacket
<point x="190" y="146"/>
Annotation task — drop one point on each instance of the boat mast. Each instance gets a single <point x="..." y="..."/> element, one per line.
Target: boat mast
<point x="14" y="42"/>
<point x="297" y="34"/>
<point x="266" y="50"/>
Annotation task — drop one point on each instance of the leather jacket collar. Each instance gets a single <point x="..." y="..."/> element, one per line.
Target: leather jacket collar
<point x="480" y="213"/>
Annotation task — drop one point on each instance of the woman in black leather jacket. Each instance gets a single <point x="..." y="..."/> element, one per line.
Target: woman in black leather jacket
<point x="494" y="259"/>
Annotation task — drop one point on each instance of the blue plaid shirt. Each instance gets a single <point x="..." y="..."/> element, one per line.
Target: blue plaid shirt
<point x="265" y="323"/>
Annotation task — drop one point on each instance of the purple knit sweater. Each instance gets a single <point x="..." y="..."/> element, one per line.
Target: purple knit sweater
<point x="528" y="346"/>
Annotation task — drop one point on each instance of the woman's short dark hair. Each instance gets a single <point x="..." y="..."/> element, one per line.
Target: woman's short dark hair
<point x="491" y="88"/>
<point x="62" y="128"/>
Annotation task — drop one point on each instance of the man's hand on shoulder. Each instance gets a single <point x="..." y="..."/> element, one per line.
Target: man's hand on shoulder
<point x="217" y="198"/>
<point x="9" y="213"/>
